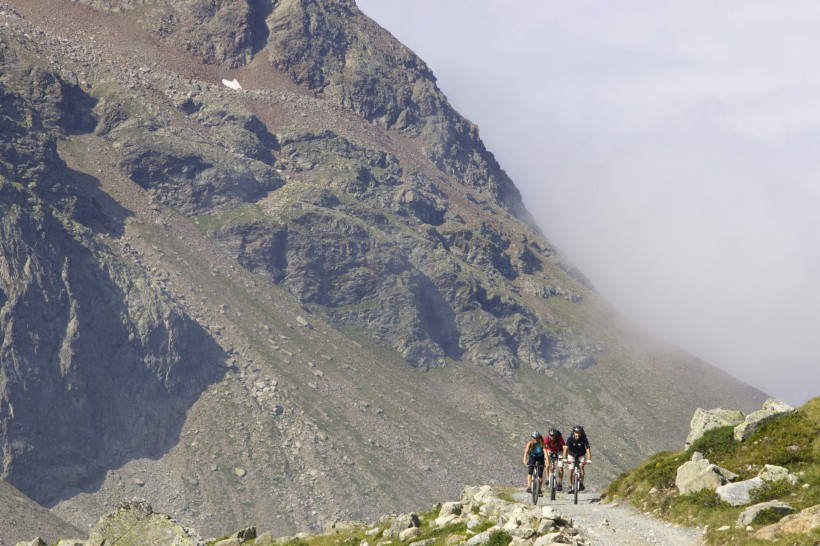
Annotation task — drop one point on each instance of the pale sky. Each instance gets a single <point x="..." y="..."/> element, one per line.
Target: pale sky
<point x="670" y="149"/>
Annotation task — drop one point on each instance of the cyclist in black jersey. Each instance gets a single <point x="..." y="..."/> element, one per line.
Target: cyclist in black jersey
<point x="577" y="447"/>
<point x="534" y="458"/>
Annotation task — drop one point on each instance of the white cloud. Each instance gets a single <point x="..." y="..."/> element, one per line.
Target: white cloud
<point x="668" y="148"/>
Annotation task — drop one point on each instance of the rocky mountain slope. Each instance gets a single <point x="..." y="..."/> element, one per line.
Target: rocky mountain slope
<point x="250" y="305"/>
<point x="22" y="519"/>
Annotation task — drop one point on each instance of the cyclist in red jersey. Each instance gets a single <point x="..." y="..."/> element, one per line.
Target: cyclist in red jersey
<point x="554" y="444"/>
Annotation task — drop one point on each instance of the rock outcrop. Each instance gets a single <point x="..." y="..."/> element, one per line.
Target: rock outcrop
<point x="739" y="493"/>
<point x="748" y="516"/>
<point x="774" y="473"/>
<point x="804" y="521"/>
<point x="704" y="420"/>
<point x="135" y="523"/>
<point x="771" y="409"/>
<point x="699" y="474"/>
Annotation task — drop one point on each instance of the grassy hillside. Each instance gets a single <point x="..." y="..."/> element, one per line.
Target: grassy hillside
<point x="792" y="441"/>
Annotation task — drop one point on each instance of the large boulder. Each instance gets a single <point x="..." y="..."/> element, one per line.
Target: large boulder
<point x="772" y="408"/>
<point x="802" y="522"/>
<point x="450" y="508"/>
<point x="401" y="523"/>
<point x="738" y="494"/>
<point x="773" y="473"/>
<point x="701" y="474"/>
<point x="134" y="523"/>
<point x="747" y="517"/>
<point x="704" y="420"/>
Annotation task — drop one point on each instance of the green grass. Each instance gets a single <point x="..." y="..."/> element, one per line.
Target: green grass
<point x="244" y="213"/>
<point x="506" y="495"/>
<point x="791" y="441"/>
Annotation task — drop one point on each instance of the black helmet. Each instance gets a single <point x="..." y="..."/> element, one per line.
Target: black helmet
<point x="553" y="432"/>
<point x="578" y="428"/>
<point x="536" y="434"/>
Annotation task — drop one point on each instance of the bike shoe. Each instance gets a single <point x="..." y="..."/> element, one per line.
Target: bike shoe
<point x="529" y="490"/>
<point x="570" y="491"/>
<point x="560" y="487"/>
<point x="581" y="487"/>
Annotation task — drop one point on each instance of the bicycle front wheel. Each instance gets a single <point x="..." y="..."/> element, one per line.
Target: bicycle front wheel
<point x="535" y="491"/>
<point x="576" y="482"/>
<point x="537" y="478"/>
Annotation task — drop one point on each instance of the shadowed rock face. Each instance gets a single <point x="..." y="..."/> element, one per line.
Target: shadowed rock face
<point x="97" y="364"/>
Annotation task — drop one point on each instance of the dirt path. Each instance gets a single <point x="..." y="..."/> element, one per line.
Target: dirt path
<point x="614" y="524"/>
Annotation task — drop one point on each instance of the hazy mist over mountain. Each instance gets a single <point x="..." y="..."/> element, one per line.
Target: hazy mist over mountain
<point x="668" y="149"/>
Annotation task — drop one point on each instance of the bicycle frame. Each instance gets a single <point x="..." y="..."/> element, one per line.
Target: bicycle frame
<point x="537" y="481"/>
<point x="575" y="477"/>
<point x="554" y="457"/>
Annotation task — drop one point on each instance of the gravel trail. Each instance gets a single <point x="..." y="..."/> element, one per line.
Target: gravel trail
<point x="615" y="524"/>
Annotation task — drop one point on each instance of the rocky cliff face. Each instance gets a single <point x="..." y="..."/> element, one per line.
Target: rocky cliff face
<point x="209" y="294"/>
<point x="87" y="340"/>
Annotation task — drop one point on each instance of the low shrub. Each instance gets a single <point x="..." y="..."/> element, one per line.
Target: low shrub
<point x="658" y="471"/>
<point x="705" y="497"/>
<point x="767" y="516"/>
<point x="716" y="444"/>
<point x="770" y="490"/>
<point x="499" y="538"/>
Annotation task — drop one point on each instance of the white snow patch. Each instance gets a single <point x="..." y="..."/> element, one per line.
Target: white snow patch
<point x="233" y="84"/>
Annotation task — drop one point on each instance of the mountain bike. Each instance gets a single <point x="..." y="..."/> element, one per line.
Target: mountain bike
<point x="537" y="478"/>
<point x="553" y="473"/>
<point x="575" y="477"/>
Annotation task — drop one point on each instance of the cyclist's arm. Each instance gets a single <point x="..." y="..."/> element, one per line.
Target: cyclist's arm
<point x="527" y="450"/>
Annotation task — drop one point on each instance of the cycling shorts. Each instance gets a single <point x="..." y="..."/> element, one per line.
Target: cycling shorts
<point x="534" y="462"/>
<point x="555" y="455"/>
<point x="571" y="458"/>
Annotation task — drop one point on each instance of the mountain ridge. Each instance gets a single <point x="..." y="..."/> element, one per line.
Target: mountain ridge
<point x="295" y="256"/>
